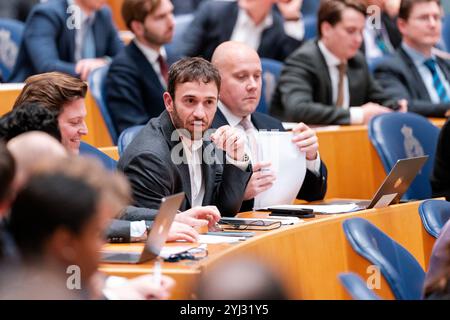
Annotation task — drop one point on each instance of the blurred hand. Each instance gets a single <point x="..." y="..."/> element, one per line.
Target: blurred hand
<point x="231" y="140"/>
<point x="143" y="288"/>
<point x="182" y="231"/>
<point x="199" y="216"/>
<point x="371" y="109"/>
<point x="290" y="9"/>
<point x="261" y="180"/>
<point x="306" y="140"/>
<point x="86" y="66"/>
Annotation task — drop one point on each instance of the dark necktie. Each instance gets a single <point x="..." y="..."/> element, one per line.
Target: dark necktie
<point x="437" y="83"/>
<point x="164" y="68"/>
<point x="340" y="97"/>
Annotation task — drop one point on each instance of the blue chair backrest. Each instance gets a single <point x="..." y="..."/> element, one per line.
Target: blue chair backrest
<point x="310" y="27"/>
<point x="126" y="137"/>
<point x="401" y="270"/>
<point x="11" y="32"/>
<point x="97" y="80"/>
<point x="434" y="215"/>
<point x="90" y="151"/>
<point x="271" y="73"/>
<point x="404" y="135"/>
<point x="310" y="7"/>
<point x="356" y="287"/>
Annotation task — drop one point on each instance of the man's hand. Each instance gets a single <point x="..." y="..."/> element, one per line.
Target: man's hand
<point x="290" y="9"/>
<point x="182" y="231"/>
<point x="231" y="140"/>
<point x="199" y="216"/>
<point x="371" y="109"/>
<point x="86" y="66"/>
<point x="403" y="103"/>
<point x="143" y="288"/>
<point x="306" y="140"/>
<point x="261" y="180"/>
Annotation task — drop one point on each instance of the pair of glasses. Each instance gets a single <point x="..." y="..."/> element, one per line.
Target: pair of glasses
<point x="194" y="254"/>
<point x="248" y="225"/>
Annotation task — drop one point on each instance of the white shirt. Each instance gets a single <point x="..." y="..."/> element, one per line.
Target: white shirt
<point x="152" y="58"/>
<point x="233" y="121"/>
<point x="356" y="113"/>
<point x="247" y="32"/>
<point x="193" y="151"/>
<point x="371" y="49"/>
<point x="80" y="32"/>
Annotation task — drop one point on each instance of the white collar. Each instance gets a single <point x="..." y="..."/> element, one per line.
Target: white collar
<point x="84" y="16"/>
<point x="190" y="145"/>
<point x="151" y="54"/>
<point x="330" y="58"/>
<point x="244" y="19"/>
<point x="232" y="119"/>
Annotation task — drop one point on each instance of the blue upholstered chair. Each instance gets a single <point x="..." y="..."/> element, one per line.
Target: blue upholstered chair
<point x="404" y="135"/>
<point x="310" y="27"/>
<point x="356" y="287"/>
<point x="446" y="32"/>
<point x="271" y="73"/>
<point x="434" y="215"/>
<point x="11" y="32"/>
<point x="126" y="137"/>
<point x="401" y="270"/>
<point x="97" y="87"/>
<point x="90" y="151"/>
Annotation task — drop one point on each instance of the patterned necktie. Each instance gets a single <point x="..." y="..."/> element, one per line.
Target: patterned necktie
<point x="437" y="83"/>
<point x="381" y="44"/>
<point x="340" y="97"/>
<point x="251" y="138"/>
<point x="88" y="49"/>
<point x="164" y="68"/>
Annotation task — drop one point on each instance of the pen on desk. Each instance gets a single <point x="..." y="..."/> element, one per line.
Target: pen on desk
<point x="157" y="273"/>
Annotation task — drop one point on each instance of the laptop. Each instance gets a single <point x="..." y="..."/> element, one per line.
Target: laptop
<point x="395" y="184"/>
<point x="157" y="237"/>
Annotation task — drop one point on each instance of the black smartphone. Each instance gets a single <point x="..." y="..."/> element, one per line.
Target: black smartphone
<point x="301" y="213"/>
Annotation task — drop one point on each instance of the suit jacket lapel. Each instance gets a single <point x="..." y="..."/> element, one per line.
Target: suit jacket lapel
<point x="168" y="130"/>
<point x="209" y="174"/>
<point x="415" y="74"/>
<point x="324" y="74"/>
<point x="151" y="78"/>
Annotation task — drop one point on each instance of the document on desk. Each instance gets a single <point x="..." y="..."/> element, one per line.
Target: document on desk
<point x="288" y="164"/>
<point x="167" y="251"/>
<point x="209" y="239"/>
<point x="322" y="208"/>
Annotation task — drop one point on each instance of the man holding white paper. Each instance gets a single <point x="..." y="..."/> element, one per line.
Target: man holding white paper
<point x="241" y="72"/>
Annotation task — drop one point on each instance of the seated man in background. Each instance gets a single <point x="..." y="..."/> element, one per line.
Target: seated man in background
<point x="172" y="154"/>
<point x="137" y="77"/>
<point x="328" y="81"/>
<point x="70" y="36"/>
<point x="241" y="73"/>
<point x="254" y="22"/>
<point x="414" y="72"/>
<point x="69" y="233"/>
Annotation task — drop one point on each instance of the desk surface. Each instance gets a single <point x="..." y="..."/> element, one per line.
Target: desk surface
<point x="309" y="255"/>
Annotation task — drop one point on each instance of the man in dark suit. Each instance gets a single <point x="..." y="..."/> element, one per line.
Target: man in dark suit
<point x="440" y="178"/>
<point x="240" y="91"/>
<point x="137" y="77"/>
<point x="414" y="72"/>
<point x="70" y="36"/>
<point x="328" y="81"/>
<point x="254" y="22"/>
<point x="172" y="153"/>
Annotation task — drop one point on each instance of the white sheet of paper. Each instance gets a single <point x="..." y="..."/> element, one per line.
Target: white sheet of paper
<point x="169" y="250"/>
<point x="210" y="239"/>
<point x="333" y="208"/>
<point x="288" y="164"/>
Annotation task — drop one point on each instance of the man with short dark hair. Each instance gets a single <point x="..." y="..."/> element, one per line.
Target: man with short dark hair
<point x="415" y="73"/>
<point x="328" y="81"/>
<point x="274" y="34"/>
<point x="172" y="153"/>
<point x="137" y="77"/>
<point x="70" y="36"/>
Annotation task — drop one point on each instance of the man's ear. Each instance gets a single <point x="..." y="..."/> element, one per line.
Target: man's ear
<point x="137" y="28"/>
<point x="401" y="24"/>
<point x="325" y="28"/>
<point x="61" y="245"/>
<point x="168" y="102"/>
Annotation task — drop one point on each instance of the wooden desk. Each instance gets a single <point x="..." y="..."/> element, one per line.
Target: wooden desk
<point x="116" y="6"/>
<point x="98" y="133"/>
<point x="308" y="256"/>
<point x="354" y="167"/>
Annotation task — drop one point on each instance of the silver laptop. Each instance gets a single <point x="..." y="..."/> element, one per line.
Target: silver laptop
<point x="157" y="237"/>
<point x="395" y="184"/>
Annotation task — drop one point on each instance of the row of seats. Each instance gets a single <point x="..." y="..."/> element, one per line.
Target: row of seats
<point x="401" y="270"/>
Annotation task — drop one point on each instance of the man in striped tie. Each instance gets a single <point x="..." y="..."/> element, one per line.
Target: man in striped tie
<point x="415" y="72"/>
